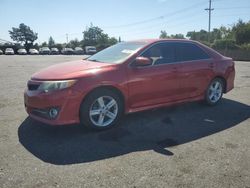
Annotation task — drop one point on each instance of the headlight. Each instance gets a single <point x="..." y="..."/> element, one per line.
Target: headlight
<point x="56" y="85"/>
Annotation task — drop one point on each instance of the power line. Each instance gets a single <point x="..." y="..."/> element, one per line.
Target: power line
<point x="157" y="25"/>
<point x="225" y="8"/>
<point x="146" y="21"/>
<point x="175" y="25"/>
<point x="156" y="18"/>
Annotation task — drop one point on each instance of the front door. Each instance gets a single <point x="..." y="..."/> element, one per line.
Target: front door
<point x="157" y="83"/>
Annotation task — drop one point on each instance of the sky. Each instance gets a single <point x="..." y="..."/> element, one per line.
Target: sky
<point x="129" y="19"/>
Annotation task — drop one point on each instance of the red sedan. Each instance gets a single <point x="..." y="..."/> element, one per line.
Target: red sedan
<point x="128" y="77"/>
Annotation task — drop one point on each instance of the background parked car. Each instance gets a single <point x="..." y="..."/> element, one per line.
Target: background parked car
<point x="22" y="51"/>
<point x="44" y="51"/>
<point x="79" y="51"/>
<point x="33" y="51"/>
<point x="9" y="51"/>
<point x="1" y="52"/>
<point x="90" y="50"/>
<point x="54" y="51"/>
<point x="67" y="51"/>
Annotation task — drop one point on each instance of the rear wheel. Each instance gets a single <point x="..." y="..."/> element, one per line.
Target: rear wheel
<point x="101" y="109"/>
<point x="214" y="91"/>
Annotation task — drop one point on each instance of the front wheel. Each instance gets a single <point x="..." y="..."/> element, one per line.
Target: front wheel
<point x="214" y="92"/>
<point x="101" y="109"/>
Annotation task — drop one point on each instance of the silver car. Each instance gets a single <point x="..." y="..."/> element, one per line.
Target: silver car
<point x="22" y="51"/>
<point x="79" y="51"/>
<point x="9" y="51"/>
<point x="44" y="51"/>
<point x="33" y="51"/>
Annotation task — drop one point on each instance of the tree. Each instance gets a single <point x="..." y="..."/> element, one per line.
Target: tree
<point x="177" y="36"/>
<point x="241" y="32"/>
<point x="44" y="44"/>
<point x="73" y="43"/>
<point x="94" y="36"/>
<point x="163" y="35"/>
<point x="215" y="35"/>
<point x="197" y="35"/>
<point x="24" y="35"/>
<point x="226" y="33"/>
<point x="112" y="41"/>
<point x="60" y="46"/>
<point x="51" y="42"/>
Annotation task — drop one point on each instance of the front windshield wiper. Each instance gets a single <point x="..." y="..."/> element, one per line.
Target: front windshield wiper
<point x="93" y="60"/>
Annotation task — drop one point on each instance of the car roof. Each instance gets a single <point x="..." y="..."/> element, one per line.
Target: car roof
<point x="211" y="51"/>
<point x="149" y="41"/>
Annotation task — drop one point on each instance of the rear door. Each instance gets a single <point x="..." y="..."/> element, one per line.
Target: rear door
<point x="197" y="68"/>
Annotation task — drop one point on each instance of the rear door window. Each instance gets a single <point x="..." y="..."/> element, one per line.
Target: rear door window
<point x="189" y="52"/>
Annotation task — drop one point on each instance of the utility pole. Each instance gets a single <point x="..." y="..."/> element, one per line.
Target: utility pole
<point x="67" y="37"/>
<point x="210" y="9"/>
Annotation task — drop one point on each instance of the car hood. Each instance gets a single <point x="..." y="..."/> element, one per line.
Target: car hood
<point x="70" y="70"/>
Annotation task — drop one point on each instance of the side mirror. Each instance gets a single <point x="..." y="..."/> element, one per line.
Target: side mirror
<point x="142" y="61"/>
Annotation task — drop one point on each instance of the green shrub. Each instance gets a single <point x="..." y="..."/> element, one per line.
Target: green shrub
<point x="225" y="44"/>
<point x="245" y="46"/>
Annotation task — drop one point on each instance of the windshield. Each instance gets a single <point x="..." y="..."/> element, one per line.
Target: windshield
<point x="117" y="53"/>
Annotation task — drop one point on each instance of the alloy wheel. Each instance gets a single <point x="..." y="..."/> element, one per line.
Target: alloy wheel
<point x="215" y="91"/>
<point x="103" y="111"/>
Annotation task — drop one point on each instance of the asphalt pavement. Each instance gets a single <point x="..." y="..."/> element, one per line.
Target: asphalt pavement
<point x="189" y="145"/>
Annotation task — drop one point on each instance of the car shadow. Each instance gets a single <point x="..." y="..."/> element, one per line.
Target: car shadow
<point x="156" y="130"/>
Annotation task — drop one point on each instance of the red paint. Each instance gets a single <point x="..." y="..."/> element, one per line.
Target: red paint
<point x="142" y="87"/>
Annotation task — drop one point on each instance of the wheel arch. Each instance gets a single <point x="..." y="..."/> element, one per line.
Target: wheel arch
<point x="111" y="88"/>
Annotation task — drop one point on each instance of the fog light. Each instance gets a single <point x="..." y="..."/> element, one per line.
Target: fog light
<point x="53" y="112"/>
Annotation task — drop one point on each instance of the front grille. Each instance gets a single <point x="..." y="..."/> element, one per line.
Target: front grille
<point x="32" y="86"/>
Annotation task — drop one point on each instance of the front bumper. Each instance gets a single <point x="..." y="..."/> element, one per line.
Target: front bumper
<point x="67" y="102"/>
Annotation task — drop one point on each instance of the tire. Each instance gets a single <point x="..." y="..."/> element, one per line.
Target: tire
<point x="214" y="92"/>
<point x="95" y="113"/>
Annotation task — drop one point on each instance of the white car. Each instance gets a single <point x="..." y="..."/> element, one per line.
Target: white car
<point x="33" y="51"/>
<point x="90" y="50"/>
<point x="79" y="51"/>
<point x="9" y="51"/>
<point x="22" y="51"/>
<point x="1" y="52"/>
<point x="54" y="51"/>
<point x="44" y="51"/>
<point x="67" y="51"/>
